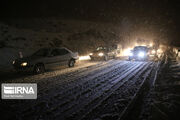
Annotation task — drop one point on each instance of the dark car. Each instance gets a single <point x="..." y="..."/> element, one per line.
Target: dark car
<point x="46" y="58"/>
<point x="139" y="53"/>
<point x="104" y="53"/>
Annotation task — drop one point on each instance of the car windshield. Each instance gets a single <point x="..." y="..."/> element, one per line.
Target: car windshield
<point x="140" y="48"/>
<point x="101" y="48"/>
<point x="42" y="52"/>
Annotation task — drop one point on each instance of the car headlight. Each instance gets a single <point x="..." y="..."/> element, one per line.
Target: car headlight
<point x="91" y="54"/>
<point x="13" y="62"/>
<point x="159" y="51"/>
<point x="24" y="64"/>
<point x="101" y="54"/>
<point x="153" y="51"/>
<point x="141" y="54"/>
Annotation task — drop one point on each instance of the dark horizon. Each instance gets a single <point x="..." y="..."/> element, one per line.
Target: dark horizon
<point x="163" y="14"/>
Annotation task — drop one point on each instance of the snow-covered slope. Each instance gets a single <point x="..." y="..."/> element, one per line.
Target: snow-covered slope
<point x="28" y="35"/>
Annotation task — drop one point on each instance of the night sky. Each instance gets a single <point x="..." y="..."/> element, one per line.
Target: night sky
<point x="161" y="14"/>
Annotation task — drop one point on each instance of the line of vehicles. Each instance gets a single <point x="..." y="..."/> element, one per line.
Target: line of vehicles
<point x="46" y="58"/>
<point x="137" y="53"/>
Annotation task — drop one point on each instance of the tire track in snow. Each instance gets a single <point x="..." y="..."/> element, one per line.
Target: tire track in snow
<point x="126" y="93"/>
<point x="108" y="88"/>
<point x="84" y="80"/>
<point x="97" y="84"/>
<point x="28" y="105"/>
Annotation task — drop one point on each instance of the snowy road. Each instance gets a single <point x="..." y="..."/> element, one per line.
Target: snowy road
<point x="93" y="90"/>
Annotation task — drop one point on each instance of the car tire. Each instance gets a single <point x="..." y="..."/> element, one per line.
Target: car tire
<point x="39" y="68"/>
<point x="146" y="59"/>
<point x="105" y="58"/>
<point x="114" y="57"/>
<point x="71" y="63"/>
<point x="92" y="58"/>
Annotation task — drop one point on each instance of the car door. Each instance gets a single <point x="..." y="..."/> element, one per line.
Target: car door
<point x="110" y="52"/>
<point x="52" y="60"/>
<point x="64" y="56"/>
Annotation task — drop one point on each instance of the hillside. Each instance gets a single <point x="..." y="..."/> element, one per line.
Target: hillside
<point x="28" y="35"/>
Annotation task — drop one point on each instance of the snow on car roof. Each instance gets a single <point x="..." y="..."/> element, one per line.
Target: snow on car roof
<point x="140" y="47"/>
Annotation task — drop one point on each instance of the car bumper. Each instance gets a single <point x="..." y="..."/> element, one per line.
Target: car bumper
<point x="138" y="58"/>
<point x="24" y="69"/>
<point x="96" y="57"/>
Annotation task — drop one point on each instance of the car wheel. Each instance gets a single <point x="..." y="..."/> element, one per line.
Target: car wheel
<point x="92" y="58"/>
<point x="114" y="57"/>
<point x="71" y="63"/>
<point x="105" y="58"/>
<point x="39" y="68"/>
<point x="130" y="59"/>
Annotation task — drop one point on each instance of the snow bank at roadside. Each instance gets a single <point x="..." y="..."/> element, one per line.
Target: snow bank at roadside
<point x="13" y="41"/>
<point x="166" y="94"/>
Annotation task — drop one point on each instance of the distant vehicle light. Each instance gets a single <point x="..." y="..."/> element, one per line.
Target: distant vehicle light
<point x="141" y="54"/>
<point x="159" y="51"/>
<point x="127" y="52"/>
<point x="24" y="64"/>
<point x="84" y="58"/>
<point x="144" y="45"/>
<point x="91" y="54"/>
<point x="153" y="51"/>
<point x="14" y="62"/>
<point x="150" y="44"/>
<point x="101" y="54"/>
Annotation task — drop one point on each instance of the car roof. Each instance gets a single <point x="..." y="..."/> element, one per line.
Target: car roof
<point x="53" y="48"/>
<point x="139" y="47"/>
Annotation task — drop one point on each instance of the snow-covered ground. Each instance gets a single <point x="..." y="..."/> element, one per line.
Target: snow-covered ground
<point x="96" y="90"/>
<point x="166" y="95"/>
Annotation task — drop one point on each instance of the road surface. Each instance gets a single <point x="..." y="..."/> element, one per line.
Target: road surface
<point x="91" y="90"/>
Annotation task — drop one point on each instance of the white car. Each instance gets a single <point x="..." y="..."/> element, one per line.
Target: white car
<point x="46" y="58"/>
